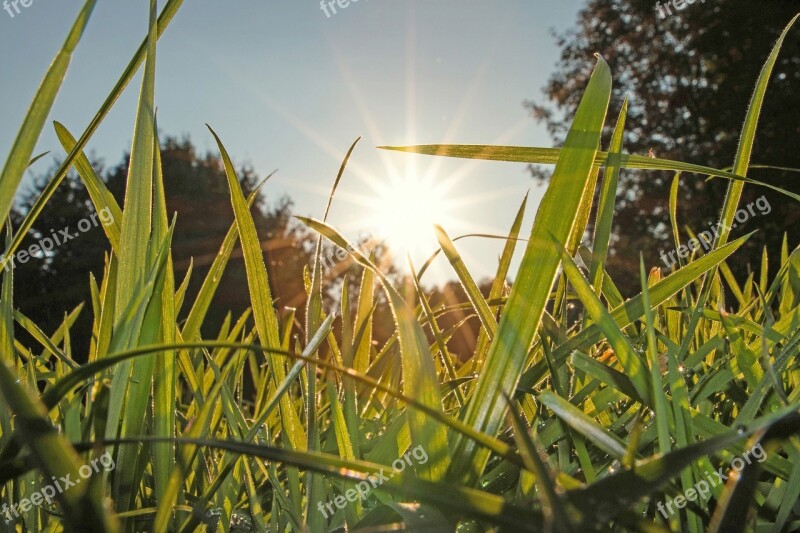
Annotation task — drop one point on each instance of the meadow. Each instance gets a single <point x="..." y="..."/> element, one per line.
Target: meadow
<point x="675" y="409"/>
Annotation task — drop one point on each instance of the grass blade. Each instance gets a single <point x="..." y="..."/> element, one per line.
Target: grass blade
<point x="508" y="352"/>
<point x="169" y="11"/>
<point x="261" y="296"/>
<point x="21" y="151"/>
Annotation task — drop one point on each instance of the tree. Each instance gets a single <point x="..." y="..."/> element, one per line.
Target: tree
<point x="690" y="76"/>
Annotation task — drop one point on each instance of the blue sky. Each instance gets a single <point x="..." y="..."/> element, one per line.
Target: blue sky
<point x="288" y="88"/>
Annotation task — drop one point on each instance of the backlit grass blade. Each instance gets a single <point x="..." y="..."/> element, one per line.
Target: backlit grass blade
<point x="584" y="424"/>
<point x="202" y="302"/>
<point x="34" y="330"/>
<point x="550" y="156"/>
<point x="605" y="374"/>
<point x="138" y="390"/>
<point x="130" y="388"/>
<point x="606" y="203"/>
<point x="470" y="287"/>
<point x="624" y="351"/>
<point x="169" y="11"/>
<point x="342" y="433"/>
<point x="165" y="380"/>
<point x="673" y="214"/>
<point x="20" y="157"/>
<point x="555" y="219"/>
<point x="500" y="280"/>
<point x="658" y="397"/>
<point x="363" y="321"/>
<point x="261" y="296"/>
<point x="136" y="222"/>
<point x="98" y="192"/>
<point x="742" y="162"/>
<point x="426" y="265"/>
<point x="131" y="382"/>
<point x="439" y="338"/>
<point x="314" y="317"/>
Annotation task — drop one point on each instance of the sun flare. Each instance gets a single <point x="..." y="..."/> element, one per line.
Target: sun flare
<point x="405" y="211"/>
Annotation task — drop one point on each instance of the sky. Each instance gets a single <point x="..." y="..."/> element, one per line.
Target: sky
<point x="288" y="87"/>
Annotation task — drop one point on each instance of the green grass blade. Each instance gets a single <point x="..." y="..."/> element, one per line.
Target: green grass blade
<point x="439" y="338"/>
<point x="673" y="213"/>
<point x="584" y="424"/>
<point x="742" y="162"/>
<point x="131" y="382"/>
<point x="98" y="192"/>
<point x="169" y="11"/>
<point x="500" y="279"/>
<point x="470" y="287"/>
<point x="555" y="218"/>
<point x="624" y="351"/>
<point x="659" y="398"/>
<point x="550" y="156"/>
<point x="138" y="398"/>
<point x="136" y="218"/>
<point x="165" y="381"/>
<point x="261" y="296"/>
<point x="21" y="151"/>
<point x="202" y="302"/>
<point x="314" y="317"/>
<point x="606" y="203"/>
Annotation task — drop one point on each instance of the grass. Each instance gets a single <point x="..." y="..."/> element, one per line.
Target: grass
<point x="578" y="410"/>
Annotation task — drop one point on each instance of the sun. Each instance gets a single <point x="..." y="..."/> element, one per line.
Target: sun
<point x="405" y="211"/>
